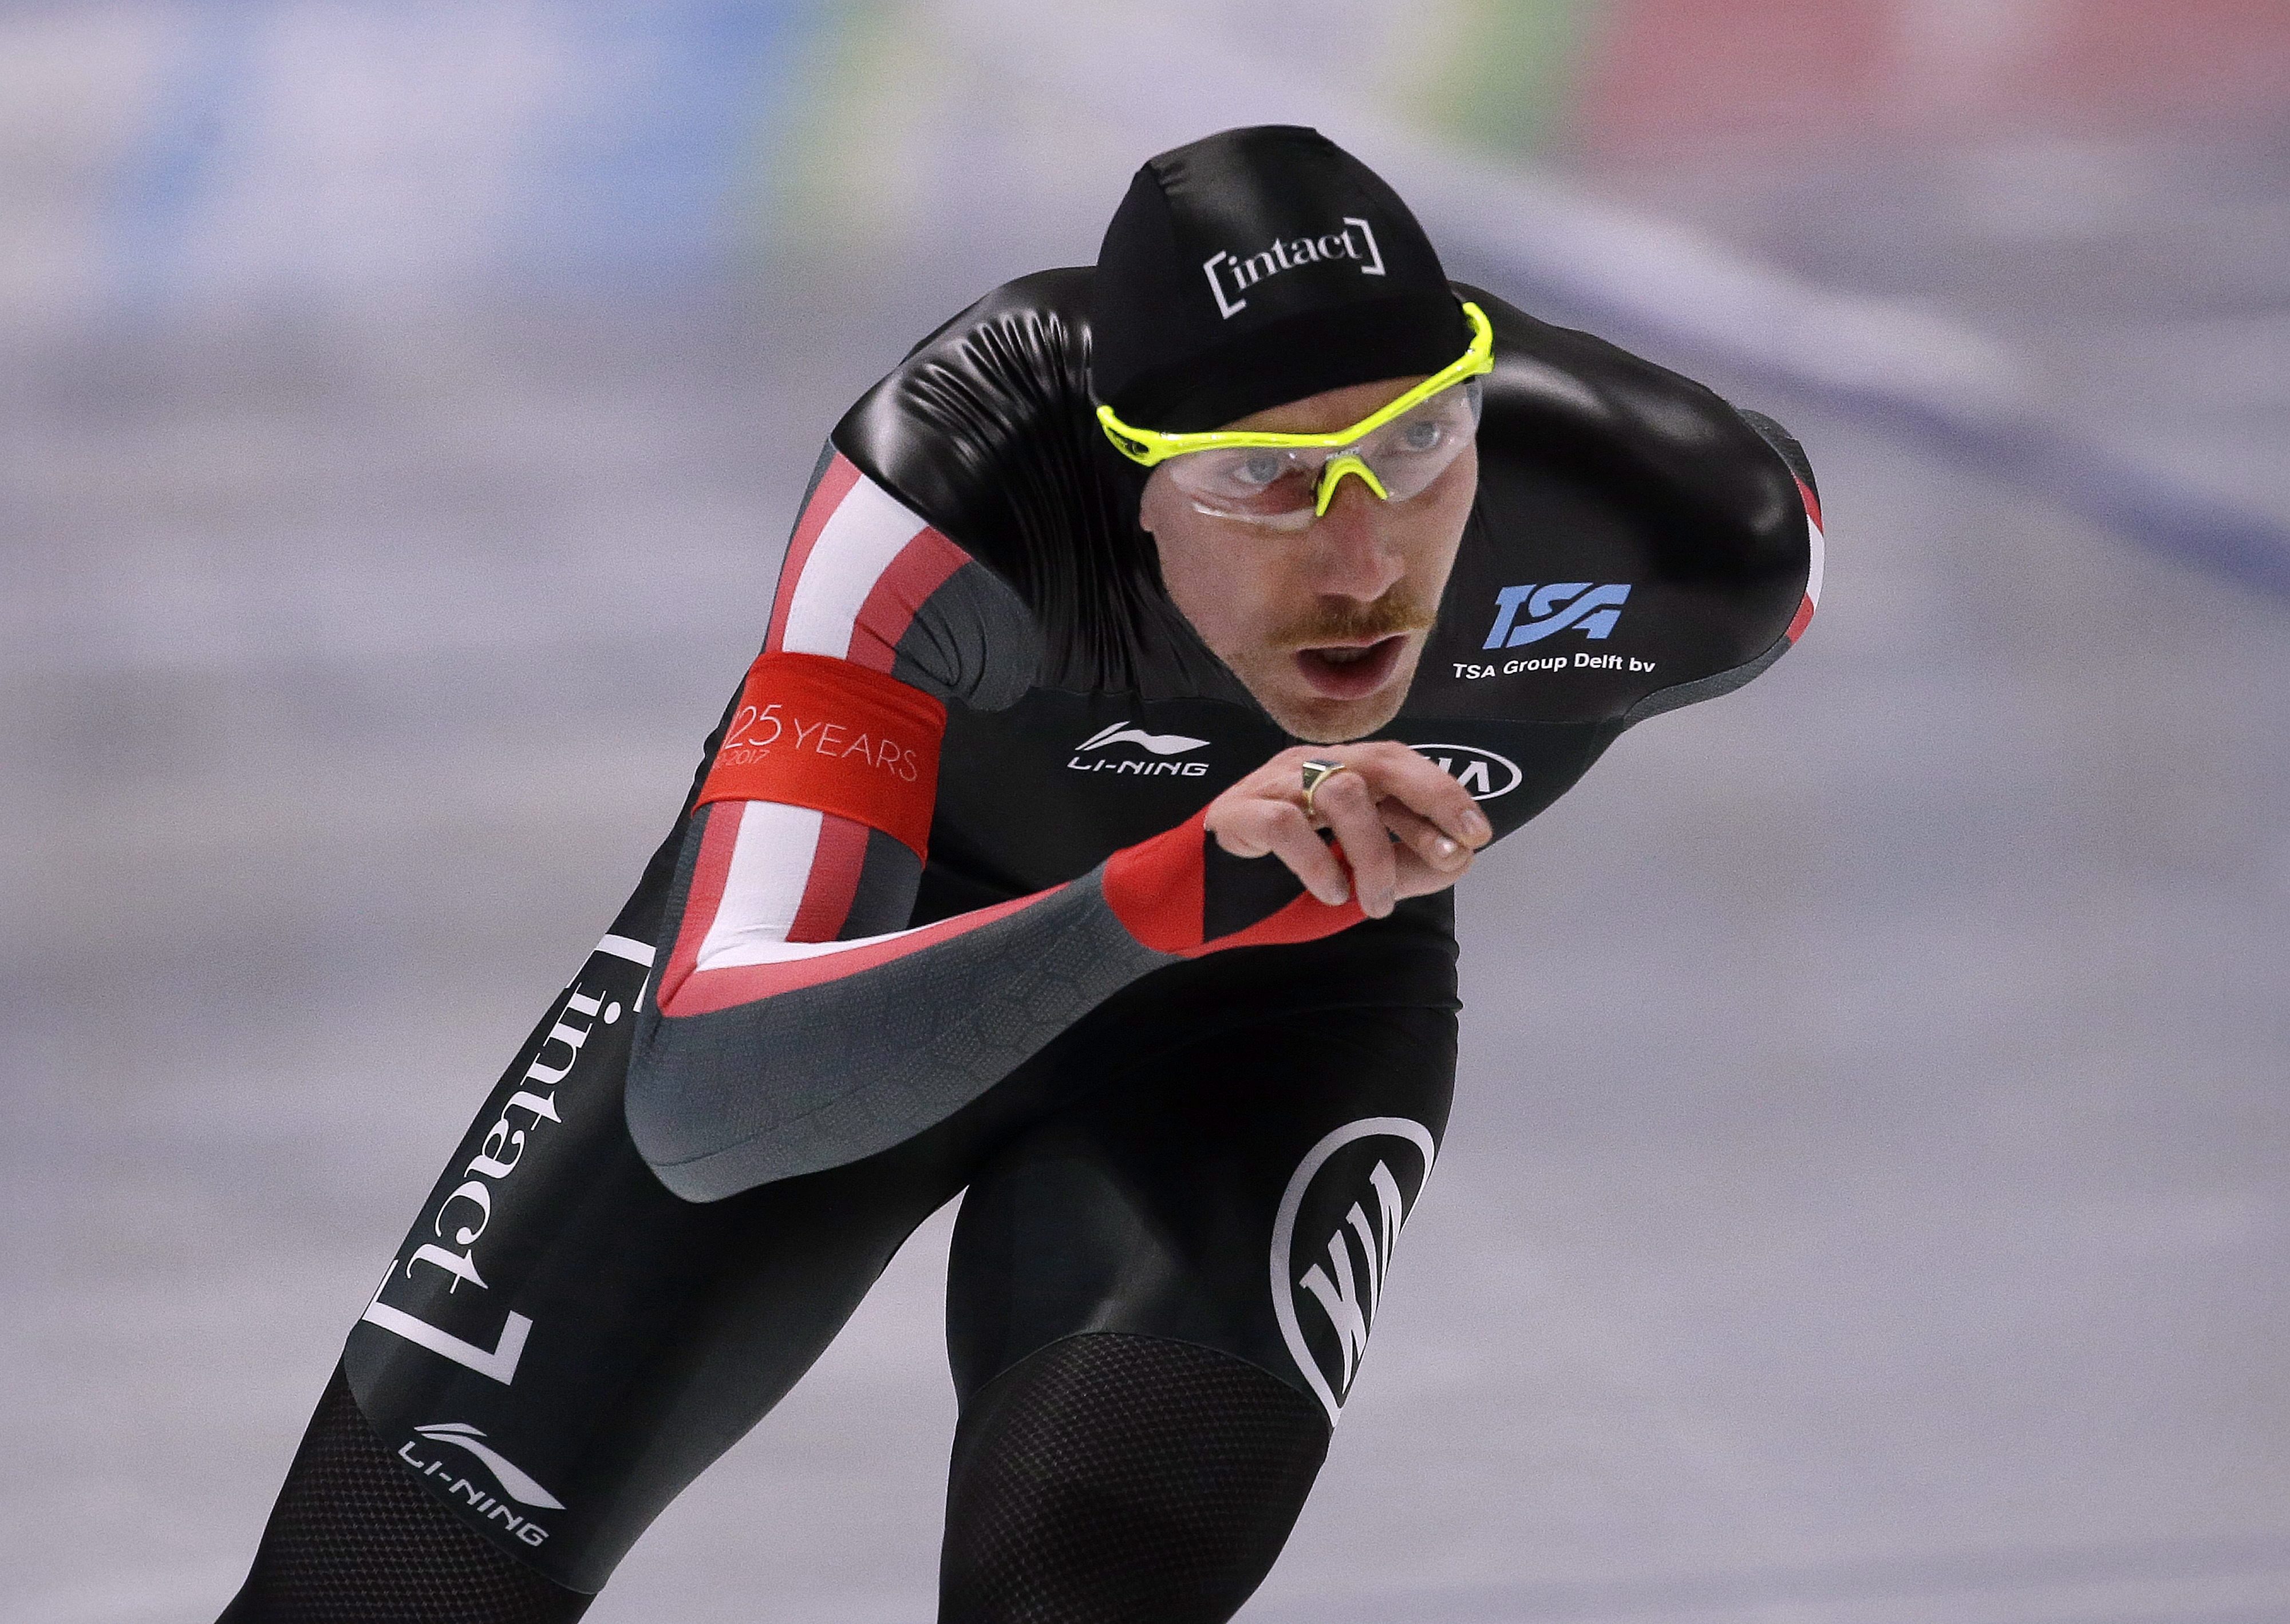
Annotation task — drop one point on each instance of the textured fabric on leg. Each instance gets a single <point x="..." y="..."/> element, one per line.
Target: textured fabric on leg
<point x="352" y="1542"/>
<point x="1116" y="1479"/>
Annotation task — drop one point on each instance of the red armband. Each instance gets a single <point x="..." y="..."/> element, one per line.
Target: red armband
<point x="810" y="731"/>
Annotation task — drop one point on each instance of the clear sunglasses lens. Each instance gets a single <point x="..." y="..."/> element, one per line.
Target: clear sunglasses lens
<point x="1247" y="482"/>
<point x="1409" y="452"/>
<point x="1272" y="486"/>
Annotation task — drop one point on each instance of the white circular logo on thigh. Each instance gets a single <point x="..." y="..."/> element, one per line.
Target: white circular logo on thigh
<point x="1331" y="1242"/>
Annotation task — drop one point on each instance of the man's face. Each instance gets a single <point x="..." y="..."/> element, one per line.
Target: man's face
<point x="1323" y="625"/>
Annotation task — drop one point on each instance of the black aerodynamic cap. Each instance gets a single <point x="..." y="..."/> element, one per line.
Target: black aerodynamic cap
<point x="1256" y="266"/>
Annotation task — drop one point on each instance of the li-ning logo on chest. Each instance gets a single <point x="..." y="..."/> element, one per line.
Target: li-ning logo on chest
<point x="1231" y="277"/>
<point x="1159" y="744"/>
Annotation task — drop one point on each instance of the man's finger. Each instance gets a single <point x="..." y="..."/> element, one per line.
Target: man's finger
<point x="1277" y="828"/>
<point x="1418" y="878"/>
<point x="1416" y="782"/>
<point x="1242" y="830"/>
<point x="1424" y="838"/>
<point x="1349" y="807"/>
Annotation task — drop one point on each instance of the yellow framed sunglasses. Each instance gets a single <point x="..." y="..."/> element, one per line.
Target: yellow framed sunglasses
<point x="1286" y="481"/>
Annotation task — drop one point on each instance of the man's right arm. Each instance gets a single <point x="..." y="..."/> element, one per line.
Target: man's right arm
<point x="796" y="1027"/>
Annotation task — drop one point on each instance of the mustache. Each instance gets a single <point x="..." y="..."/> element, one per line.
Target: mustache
<point x="1338" y="620"/>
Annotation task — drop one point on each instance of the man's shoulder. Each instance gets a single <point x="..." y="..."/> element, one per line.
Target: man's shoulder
<point x="987" y="430"/>
<point x="1635" y="535"/>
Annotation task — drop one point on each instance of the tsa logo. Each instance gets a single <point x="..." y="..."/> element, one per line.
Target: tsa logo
<point x="1331" y="1244"/>
<point x="1591" y="610"/>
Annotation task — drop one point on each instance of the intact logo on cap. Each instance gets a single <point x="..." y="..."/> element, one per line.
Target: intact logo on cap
<point x="1356" y="242"/>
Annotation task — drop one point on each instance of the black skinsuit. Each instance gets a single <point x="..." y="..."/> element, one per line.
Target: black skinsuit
<point x="1187" y="1162"/>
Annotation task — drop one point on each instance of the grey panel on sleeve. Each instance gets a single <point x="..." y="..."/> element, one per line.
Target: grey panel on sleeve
<point x="1782" y="440"/>
<point x="1710" y="687"/>
<point x="1703" y="687"/>
<point x="973" y="640"/>
<point x="889" y="876"/>
<point x="809" y="1079"/>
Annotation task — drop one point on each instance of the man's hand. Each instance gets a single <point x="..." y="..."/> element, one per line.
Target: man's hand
<point x="1406" y="829"/>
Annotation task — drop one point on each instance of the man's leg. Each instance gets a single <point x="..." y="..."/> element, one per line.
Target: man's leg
<point x="1157" y="1302"/>
<point x="380" y="1520"/>
<point x="352" y="1537"/>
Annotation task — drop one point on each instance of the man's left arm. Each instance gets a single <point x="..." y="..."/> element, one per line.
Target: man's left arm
<point x="1762" y="650"/>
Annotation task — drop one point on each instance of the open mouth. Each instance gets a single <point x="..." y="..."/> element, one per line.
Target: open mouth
<point x="1350" y="672"/>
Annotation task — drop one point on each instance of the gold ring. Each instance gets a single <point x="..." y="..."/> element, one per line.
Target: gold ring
<point x="1317" y="773"/>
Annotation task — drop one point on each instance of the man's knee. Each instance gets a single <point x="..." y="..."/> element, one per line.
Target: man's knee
<point x="351" y="1537"/>
<point x="1108" y="1478"/>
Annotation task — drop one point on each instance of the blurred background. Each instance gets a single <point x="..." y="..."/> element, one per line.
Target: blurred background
<point x="1865" y="1197"/>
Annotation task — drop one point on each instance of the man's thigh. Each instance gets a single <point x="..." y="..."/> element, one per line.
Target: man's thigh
<point x="596" y="1341"/>
<point x="1244" y="1192"/>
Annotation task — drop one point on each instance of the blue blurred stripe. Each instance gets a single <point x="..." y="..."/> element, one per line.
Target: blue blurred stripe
<point x="650" y="180"/>
<point x="168" y="173"/>
<point x="636" y="171"/>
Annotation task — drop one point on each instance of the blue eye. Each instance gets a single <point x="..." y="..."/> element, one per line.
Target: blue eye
<point x="1260" y="470"/>
<point x="1424" y="434"/>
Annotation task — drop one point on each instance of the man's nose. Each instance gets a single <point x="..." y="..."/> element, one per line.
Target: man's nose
<point x="1353" y="554"/>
